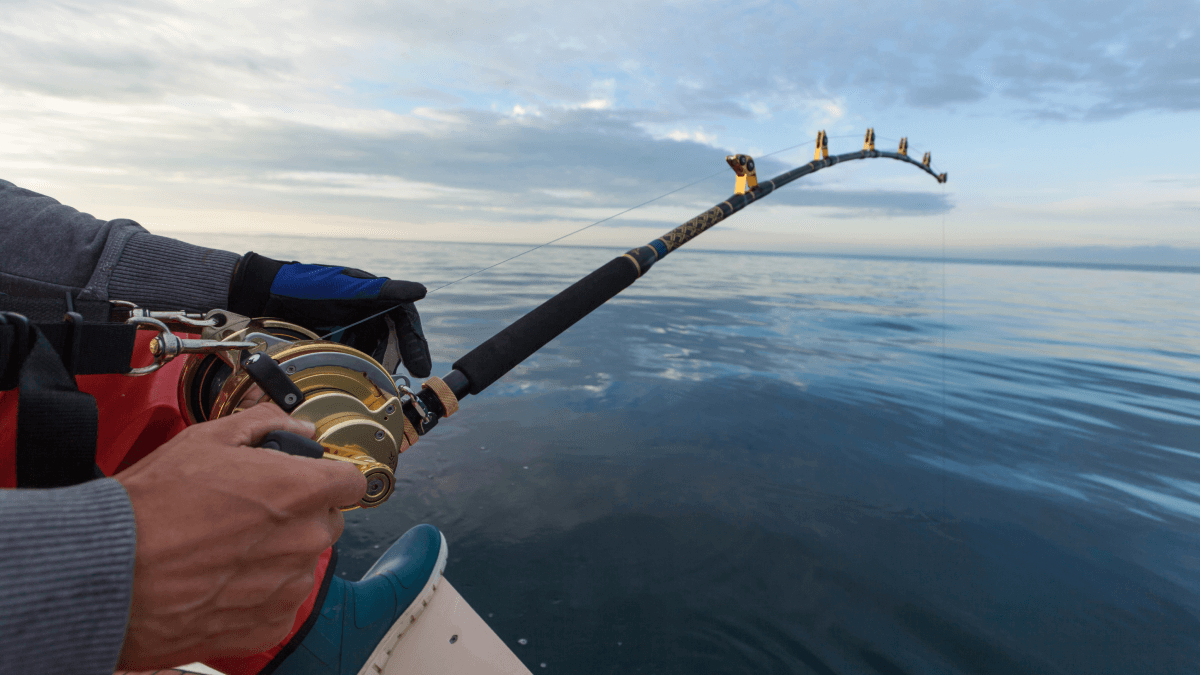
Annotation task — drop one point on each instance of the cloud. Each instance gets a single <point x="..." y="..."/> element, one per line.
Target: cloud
<point x="696" y="61"/>
<point x="576" y="166"/>
<point x="519" y="113"/>
<point x="857" y="203"/>
<point x="141" y="51"/>
<point x="580" y="158"/>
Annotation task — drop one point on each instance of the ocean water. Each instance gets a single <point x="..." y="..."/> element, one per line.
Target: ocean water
<point x="753" y="463"/>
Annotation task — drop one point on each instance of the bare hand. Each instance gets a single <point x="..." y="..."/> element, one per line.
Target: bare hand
<point x="227" y="538"/>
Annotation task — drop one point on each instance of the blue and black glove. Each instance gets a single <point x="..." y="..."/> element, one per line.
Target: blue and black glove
<point x="324" y="298"/>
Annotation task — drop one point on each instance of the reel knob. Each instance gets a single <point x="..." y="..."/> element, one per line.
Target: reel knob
<point x="381" y="480"/>
<point x="380" y="483"/>
<point x="292" y="444"/>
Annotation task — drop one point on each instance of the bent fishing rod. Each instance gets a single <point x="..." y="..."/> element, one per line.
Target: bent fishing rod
<point x="367" y="416"/>
<point x="490" y="361"/>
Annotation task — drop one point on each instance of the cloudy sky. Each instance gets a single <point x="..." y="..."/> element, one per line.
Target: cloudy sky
<point x="1060" y="124"/>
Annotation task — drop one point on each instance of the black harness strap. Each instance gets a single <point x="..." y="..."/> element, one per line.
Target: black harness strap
<point x="93" y="348"/>
<point x="86" y="342"/>
<point x="56" y="423"/>
<point x="40" y="355"/>
<point x="51" y="310"/>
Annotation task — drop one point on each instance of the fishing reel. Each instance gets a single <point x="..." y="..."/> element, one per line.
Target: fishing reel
<point x="355" y="404"/>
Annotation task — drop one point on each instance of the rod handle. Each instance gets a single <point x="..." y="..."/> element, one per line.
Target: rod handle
<point x="502" y="352"/>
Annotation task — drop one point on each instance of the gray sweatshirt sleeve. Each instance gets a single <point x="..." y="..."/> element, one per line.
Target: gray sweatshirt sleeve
<point x="67" y="555"/>
<point x="66" y="573"/>
<point x="47" y="248"/>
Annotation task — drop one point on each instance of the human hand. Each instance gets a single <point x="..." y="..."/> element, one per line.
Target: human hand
<point x="227" y="538"/>
<point x="323" y="298"/>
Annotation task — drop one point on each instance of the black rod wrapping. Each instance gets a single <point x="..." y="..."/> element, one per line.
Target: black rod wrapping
<point x="502" y="352"/>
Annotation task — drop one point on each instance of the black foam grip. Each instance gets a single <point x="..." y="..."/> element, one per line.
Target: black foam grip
<point x="502" y="352"/>
<point x="292" y="444"/>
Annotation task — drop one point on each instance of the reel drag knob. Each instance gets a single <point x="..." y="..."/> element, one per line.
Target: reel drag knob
<point x="380" y="483"/>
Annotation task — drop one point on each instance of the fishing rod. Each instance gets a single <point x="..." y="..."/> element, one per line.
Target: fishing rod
<point x="490" y="361"/>
<point x="365" y="415"/>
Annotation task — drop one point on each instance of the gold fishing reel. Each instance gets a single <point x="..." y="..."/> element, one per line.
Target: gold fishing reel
<point x="355" y="404"/>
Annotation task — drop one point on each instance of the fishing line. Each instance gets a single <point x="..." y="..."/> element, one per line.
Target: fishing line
<point x="615" y="215"/>
<point x="944" y="417"/>
<point x="621" y="213"/>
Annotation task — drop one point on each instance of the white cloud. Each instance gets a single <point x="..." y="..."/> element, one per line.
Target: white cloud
<point x="594" y="104"/>
<point x="522" y="111"/>
<point x="361" y="185"/>
<point x="696" y="135"/>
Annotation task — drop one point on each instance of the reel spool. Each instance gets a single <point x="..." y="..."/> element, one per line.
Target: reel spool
<point x="352" y="400"/>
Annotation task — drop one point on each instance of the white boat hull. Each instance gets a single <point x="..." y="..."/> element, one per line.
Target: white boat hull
<point x="450" y="637"/>
<point x="447" y="636"/>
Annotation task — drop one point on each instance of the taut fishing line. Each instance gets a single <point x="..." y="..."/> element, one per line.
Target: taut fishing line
<point x="943" y="430"/>
<point x="944" y="458"/>
<point x="558" y="239"/>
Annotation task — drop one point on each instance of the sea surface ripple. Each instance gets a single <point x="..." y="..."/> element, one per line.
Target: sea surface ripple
<point x="789" y="464"/>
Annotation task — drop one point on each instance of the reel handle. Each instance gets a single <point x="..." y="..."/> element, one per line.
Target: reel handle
<point x="270" y="377"/>
<point x="292" y="444"/>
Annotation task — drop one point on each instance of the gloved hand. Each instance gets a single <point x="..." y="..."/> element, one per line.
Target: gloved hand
<point x="323" y="298"/>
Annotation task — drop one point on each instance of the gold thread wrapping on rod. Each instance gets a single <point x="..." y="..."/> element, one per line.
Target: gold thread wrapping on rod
<point x="687" y="231"/>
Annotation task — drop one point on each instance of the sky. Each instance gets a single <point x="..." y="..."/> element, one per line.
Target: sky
<point x="1061" y="125"/>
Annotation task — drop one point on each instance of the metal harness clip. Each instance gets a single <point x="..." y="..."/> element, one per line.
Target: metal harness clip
<point x="180" y="317"/>
<point x="167" y="345"/>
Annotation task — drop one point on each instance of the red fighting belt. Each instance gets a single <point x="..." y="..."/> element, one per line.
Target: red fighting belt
<point x="138" y="414"/>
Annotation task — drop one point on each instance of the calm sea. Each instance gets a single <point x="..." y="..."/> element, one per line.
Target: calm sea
<point x="778" y="464"/>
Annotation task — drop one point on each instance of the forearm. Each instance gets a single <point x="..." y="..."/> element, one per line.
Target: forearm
<point x="47" y="249"/>
<point x="66" y="578"/>
<point x="163" y="273"/>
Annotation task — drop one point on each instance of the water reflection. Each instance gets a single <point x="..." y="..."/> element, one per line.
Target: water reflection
<point x="753" y="463"/>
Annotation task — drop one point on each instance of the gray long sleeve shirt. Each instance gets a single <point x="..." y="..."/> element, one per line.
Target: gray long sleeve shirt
<point x="67" y="555"/>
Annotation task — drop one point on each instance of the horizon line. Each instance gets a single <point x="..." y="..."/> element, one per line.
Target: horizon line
<point x="909" y="257"/>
